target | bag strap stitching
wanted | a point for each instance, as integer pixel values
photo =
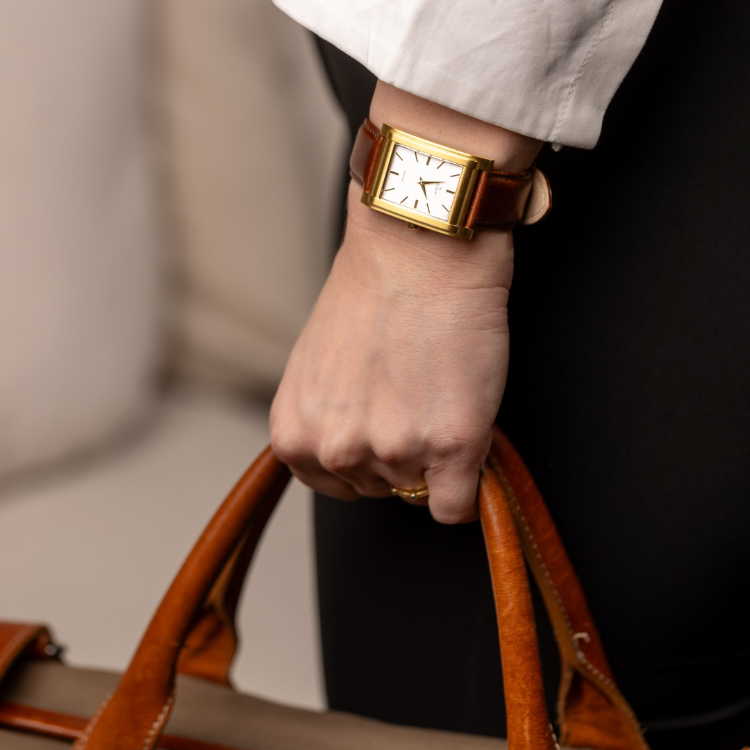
(615, 691)
(157, 725)
(81, 744)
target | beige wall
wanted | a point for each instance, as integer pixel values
(253, 150)
(79, 240)
(192, 136)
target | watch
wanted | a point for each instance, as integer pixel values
(439, 188)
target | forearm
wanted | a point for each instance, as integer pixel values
(398, 375)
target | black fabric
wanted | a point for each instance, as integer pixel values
(628, 396)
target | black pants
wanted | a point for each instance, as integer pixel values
(629, 398)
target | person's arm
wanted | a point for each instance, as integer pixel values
(548, 70)
(399, 372)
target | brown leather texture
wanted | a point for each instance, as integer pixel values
(501, 199)
(133, 718)
(526, 709)
(591, 710)
(212, 643)
(199, 608)
(365, 154)
(22, 639)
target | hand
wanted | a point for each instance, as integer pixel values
(399, 372)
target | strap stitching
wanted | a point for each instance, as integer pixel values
(370, 128)
(83, 741)
(157, 725)
(580, 70)
(623, 704)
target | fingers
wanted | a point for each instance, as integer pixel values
(453, 493)
(327, 484)
(341, 467)
(345, 465)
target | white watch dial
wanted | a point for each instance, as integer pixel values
(421, 182)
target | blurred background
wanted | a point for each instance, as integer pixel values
(169, 172)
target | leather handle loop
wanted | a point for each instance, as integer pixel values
(591, 710)
(208, 585)
(526, 708)
(211, 645)
(133, 718)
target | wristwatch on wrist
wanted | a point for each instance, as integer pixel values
(435, 187)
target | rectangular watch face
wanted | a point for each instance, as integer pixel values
(421, 182)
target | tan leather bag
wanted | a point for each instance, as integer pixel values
(176, 692)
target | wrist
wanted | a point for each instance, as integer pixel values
(422, 260)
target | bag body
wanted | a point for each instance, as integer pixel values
(176, 693)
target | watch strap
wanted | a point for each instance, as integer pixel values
(365, 154)
(501, 199)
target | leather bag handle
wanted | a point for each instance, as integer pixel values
(591, 711)
(134, 717)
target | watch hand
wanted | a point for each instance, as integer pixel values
(431, 182)
(422, 184)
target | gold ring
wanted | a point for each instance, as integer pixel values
(409, 493)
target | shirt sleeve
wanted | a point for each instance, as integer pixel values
(547, 69)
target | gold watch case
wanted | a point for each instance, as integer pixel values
(471, 166)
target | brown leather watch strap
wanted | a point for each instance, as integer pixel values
(501, 199)
(365, 153)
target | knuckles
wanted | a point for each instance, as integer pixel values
(289, 447)
(398, 448)
(342, 453)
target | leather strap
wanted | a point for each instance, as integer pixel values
(133, 718)
(592, 712)
(365, 154)
(501, 199)
(526, 709)
(21, 639)
(212, 643)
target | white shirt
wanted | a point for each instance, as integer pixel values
(544, 68)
